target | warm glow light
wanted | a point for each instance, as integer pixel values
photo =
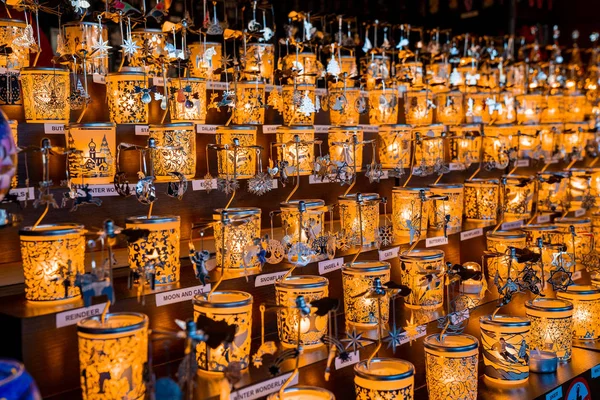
(97, 160)
(551, 326)
(499, 242)
(46, 94)
(357, 278)
(306, 150)
(349, 218)
(125, 104)
(384, 378)
(182, 158)
(423, 271)
(241, 161)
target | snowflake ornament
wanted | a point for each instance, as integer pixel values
(130, 47)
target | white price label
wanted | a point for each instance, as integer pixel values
(542, 219)
(99, 78)
(212, 85)
(353, 358)
(107, 190)
(556, 394)
(200, 184)
(330, 265)
(263, 389)
(522, 163)
(576, 275)
(158, 81)
(268, 279)
(314, 179)
(512, 225)
(23, 194)
(142, 130)
(202, 128)
(269, 129)
(72, 317)
(321, 128)
(54, 129)
(580, 212)
(179, 295)
(473, 233)
(388, 253)
(436, 241)
(454, 166)
(369, 128)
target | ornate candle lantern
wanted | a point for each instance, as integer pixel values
(235, 308)
(382, 378)
(529, 108)
(549, 140)
(409, 210)
(517, 197)
(594, 182)
(586, 310)
(481, 199)
(343, 106)
(581, 194)
(550, 234)
(176, 150)
(418, 107)
(52, 257)
(575, 106)
(551, 326)
(259, 61)
(78, 36)
(161, 248)
(46, 94)
(342, 148)
(369, 214)
(357, 278)
(152, 44)
(304, 393)
(394, 146)
(374, 67)
(348, 66)
(504, 344)
(451, 366)
(465, 144)
(415, 265)
(529, 142)
(249, 103)
(574, 139)
(113, 356)
(383, 106)
(205, 59)
(298, 104)
(187, 100)
(125, 105)
(312, 220)
(313, 327)
(554, 110)
(449, 107)
(438, 74)
(500, 108)
(452, 207)
(552, 191)
(11, 29)
(96, 162)
(496, 142)
(428, 149)
(411, 71)
(578, 239)
(307, 63)
(242, 159)
(306, 148)
(231, 239)
(500, 242)
(475, 107)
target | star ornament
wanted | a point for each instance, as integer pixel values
(354, 340)
(394, 338)
(100, 47)
(560, 280)
(130, 47)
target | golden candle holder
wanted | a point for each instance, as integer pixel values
(187, 100)
(577, 235)
(418, 107)
(549, 140)
(113, 356)
(235, 308)
(575, 106)
(574, 139)
(465, 144)
(517, 197)
(161, 247)
(375, 67)
(554, 111)
(383, 378)
(233, 235)
(449, 107)
(438, 74)
(475, 107)
(581, 194)
(152, 44)
(308, 64)
(360, 218)
(451, 366)
(411, 72)
(529, 143)
(428, 149)
(357, 278)
(394, 147)
(550, 234)
(529, 108)
(11, 29)
(46, 94)
(241, 159)
(313, 327)
(205, 58)
(342, 148)
(343, 110)
(415, 265)
(125, 105)
(298, 104)
(175, 152)
(586, 310)
(299, 392)
(500, 108)
(504, 347)
(481, 199)
(452, 207)
(410, 211)
(98, 145)
(383, 106)
(306, 147)
(249, 103)
(302, 226)
(52, 257)
(553, 191)
(551, 326)
(496, 142)
(259, 61)
(501, 242)
(81, 36)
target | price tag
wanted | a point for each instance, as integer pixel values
(512, 225)
(330, 265)
(54, 129)
(321, 128)
(211, 129)
(436, 241)
(72, 317)
(555, 394)
(580, 212)
(353, 358)
(23, 194)
(313, 179)
(99, 78)
(212, 85)
(369, 128)
(180, 295)
(158, 81)
(262, 389)
(268, 279)
(576, 275)
(200, 184)
(269, 129)
(385, 174)
(107, 190)
(388, 253)
(542, 219)
(522, 163)
(454, 166)
(473, 233)
(142, 130)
